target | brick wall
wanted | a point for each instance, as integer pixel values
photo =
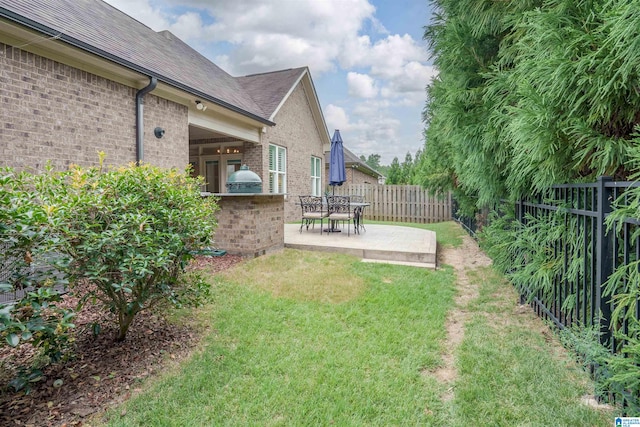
(253, 157)
(250, 225)
(296, 130)
(172, 150)
(355, 176)
(51, 111)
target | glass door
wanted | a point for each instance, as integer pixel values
(212, 175)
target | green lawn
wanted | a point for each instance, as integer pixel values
(513, 370)
(309, 338)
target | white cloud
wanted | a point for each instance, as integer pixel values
(336, 38)
(327, 20)
(289, 33)
(380, 137)
(187, 26)
(410, 88)
(385, 57)
(361, 85)
(415, 77)
(371, 129)
(389, 56)
(371, 108)
(285, 33)
(143, 12)
(336, 117)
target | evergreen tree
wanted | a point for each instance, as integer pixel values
(395, 173)
(407, 170)
(417, 161)
(373, 161)
(529, 94)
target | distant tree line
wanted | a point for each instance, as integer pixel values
(397, 173)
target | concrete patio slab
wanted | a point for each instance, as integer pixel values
(379, 243)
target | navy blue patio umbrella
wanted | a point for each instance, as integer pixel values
(337, 171)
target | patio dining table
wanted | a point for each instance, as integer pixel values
(358, 210)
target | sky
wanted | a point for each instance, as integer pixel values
(367, 59)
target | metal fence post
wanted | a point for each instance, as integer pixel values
(519, 213)
(604, 254)
(519, 210)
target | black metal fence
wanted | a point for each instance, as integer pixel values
(468, 223)
(588, 251)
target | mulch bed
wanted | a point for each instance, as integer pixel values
(103, 372)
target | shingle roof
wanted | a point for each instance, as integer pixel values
(105, 30)
(351, 159)
(270, 89)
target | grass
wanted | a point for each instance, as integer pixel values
(327, 340)
(512, 369)
(311, 338)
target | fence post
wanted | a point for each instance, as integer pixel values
(519, 210)
(604, 267)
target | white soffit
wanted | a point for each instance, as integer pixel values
(224, 125)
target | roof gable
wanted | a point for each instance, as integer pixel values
(270, 90)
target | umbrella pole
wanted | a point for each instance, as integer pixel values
(332, 224)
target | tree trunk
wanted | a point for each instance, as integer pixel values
(124, 321)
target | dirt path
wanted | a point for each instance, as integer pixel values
(464, 258)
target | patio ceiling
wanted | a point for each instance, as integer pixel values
(200, 133)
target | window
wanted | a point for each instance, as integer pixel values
(233, 165)
(277, 169)
(316, 174)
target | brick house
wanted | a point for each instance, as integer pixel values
(358, 172)
(79, 76)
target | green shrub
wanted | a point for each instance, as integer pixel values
(30, 266)
(129, 232)
(617, 375)
(525, 253)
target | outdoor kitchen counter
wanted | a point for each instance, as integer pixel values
(249, 224)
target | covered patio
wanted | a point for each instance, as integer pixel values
(379, 243)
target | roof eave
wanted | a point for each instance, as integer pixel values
(364, 168)
(43, 29)
(316, 104)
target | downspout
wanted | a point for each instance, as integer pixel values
(140, 118)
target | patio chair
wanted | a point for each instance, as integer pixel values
(357, 212)
(340, 210)
(312, 210)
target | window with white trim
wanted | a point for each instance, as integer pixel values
(277, 169)
(316, 176)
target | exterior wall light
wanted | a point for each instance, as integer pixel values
(200, 106)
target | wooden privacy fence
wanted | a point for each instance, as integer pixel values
(401, 203)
